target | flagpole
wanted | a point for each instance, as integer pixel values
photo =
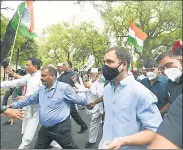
(15, 38)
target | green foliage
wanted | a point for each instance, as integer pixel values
(64, 41)
(161, 20)
(4, 23)
(28, 48)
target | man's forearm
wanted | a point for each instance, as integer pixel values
(17, 76)
(142, 138)
(165, 108)
(160, 142)
(32, 99)
(98, 100)
(19, 104)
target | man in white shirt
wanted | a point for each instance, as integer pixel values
(96, 91)
(93, 90)
(33, 82)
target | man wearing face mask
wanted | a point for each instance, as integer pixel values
(156, 84)
(131, 114)
(169, 133)
(173, 70)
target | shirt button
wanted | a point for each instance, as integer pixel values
(114, 102)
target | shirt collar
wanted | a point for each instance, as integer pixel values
(53, 86)
(68, 71)
(33, 74)
(125, 81)
(159, 79)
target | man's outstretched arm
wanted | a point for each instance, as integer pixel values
(32, 99)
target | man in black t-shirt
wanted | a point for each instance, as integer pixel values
(169, 133)
(173, 69)
(66, 77)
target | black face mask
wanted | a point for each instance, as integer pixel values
(110, 73)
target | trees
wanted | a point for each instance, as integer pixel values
(65, 41)
(91, 42)
(161, 20)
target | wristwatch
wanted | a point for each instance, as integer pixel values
(3, 108)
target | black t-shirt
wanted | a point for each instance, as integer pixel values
(174, 89)
(106, 82)
(159, 88)
(66, 77)
(171, 127)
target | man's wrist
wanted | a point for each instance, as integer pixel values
(3, 108)
(125, 141)
(13, 74)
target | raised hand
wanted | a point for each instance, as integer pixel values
(15, 113)
(9, 70)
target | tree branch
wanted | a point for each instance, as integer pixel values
(136, 51)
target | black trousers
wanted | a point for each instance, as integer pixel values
(61, 133)
(7, 95)
(77, 118)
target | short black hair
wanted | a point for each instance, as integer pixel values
(69, 63)
(99, 69)
(35, 62)
(51, 70)
(123, 54)
(163, 55)
(150, 63)
(89, 70)
(75, 69)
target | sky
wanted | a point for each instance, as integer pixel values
(47, 13)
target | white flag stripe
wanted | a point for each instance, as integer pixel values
(139, 41)
(132, 34)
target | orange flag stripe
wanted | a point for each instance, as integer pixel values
(138, 32)
(30, 6)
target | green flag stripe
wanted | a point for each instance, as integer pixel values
(22, 28)
(133, 42)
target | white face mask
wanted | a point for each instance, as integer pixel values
(151, 75)
(173, 73)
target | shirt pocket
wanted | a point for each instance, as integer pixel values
(53, 103)
(125, 113)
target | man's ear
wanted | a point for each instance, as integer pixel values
(36, 67)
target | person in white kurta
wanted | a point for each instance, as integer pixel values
(33, 82)
(94, 90)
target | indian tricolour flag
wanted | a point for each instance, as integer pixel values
(136, 36)
(25, 15)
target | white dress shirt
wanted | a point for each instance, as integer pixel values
(93, 93)
(33, 82)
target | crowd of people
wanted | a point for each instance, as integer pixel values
(137, 109)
